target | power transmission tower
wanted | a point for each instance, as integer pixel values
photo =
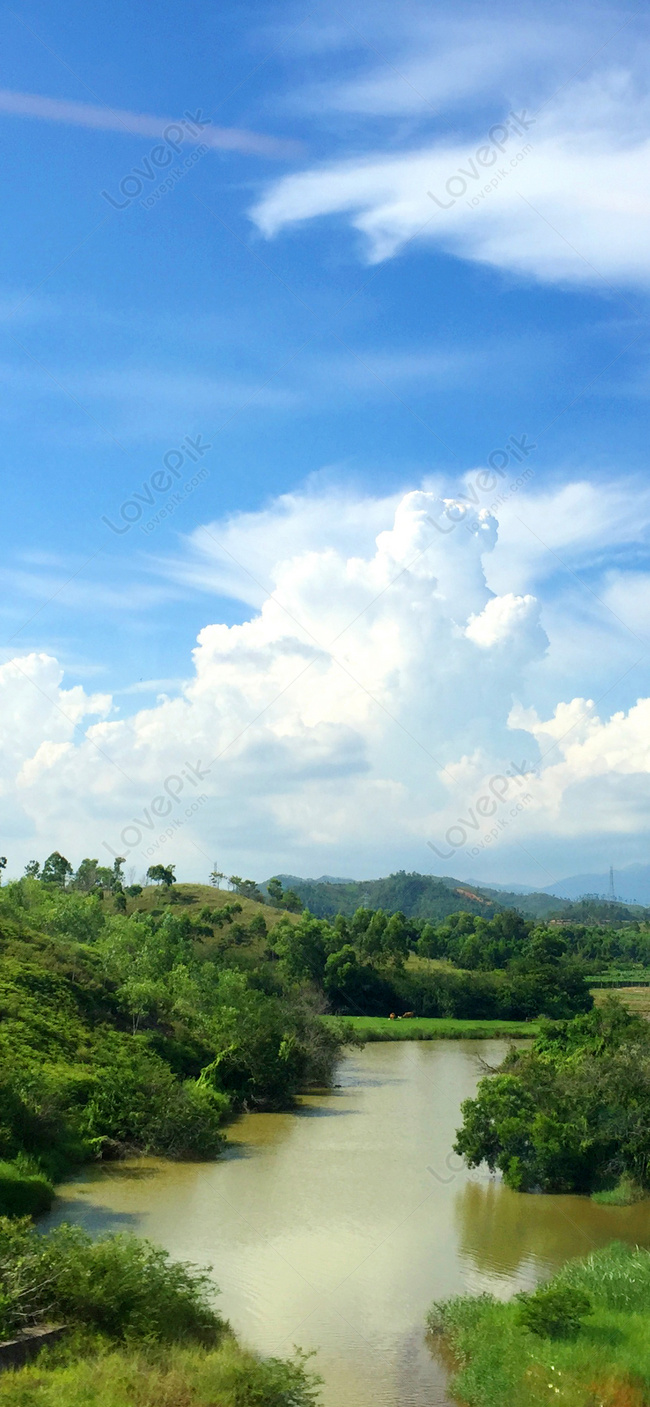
(611, 894)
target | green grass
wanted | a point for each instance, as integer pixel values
(624, 1194)
(226, 1376)
(499, 1363)
(431, 1028)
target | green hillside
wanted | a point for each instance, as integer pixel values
(415, 895)
(429, 897)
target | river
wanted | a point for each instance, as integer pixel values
(334, 1227)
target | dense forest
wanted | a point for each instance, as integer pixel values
(427, 897)
(374, 963)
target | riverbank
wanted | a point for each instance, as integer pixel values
(334, 1225)
(137, 1329)
(429, 1028)
(599, 1357)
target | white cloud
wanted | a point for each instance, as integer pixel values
(360, 711)
(564, 199)
(104, 119)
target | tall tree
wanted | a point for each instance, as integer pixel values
(56, 869)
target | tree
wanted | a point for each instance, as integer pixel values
(3, 865)
(162, 874)
(56, 869)
(133, 890)
(32, 869)
(292, 901)
(303, 948)
(86, 876)
(274, 890)
(570, 1114)
(215, 877)
(395, 940)
(118, 877)
(247, 888)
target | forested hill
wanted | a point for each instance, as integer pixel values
(429, 897)
(415, 895)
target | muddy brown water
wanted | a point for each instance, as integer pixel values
(334, 1227)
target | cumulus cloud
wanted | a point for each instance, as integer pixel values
(362, 710)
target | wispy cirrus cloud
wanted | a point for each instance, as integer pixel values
(108, 119)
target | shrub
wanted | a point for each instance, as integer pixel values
(119, 1286)
(555, 1312)
(23, 1193)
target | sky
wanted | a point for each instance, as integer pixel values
(324, 389)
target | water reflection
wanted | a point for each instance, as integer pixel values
(505, 1234)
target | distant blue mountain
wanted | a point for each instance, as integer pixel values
(631, 885)
(508, 888)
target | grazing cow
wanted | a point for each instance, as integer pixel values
(406, 1015)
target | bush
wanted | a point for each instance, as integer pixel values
(137, 1102)
(119, 1286)
(555, 1312)
(23, 1193)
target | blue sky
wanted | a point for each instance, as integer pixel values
(298, 302)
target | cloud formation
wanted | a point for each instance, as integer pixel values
(561, 195)
(375, 692)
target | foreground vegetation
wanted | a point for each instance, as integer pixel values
(569, 1114)
(583, 1340)
(142, 1330)
(224, 1376)
(427, 1028)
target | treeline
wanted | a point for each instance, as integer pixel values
(360, 965)
(472, 941)
(570, 1114)
(139, 1031)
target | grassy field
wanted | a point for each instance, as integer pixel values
(501, 1363)
(191, 898)
(431, 1028)
(636, 999)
